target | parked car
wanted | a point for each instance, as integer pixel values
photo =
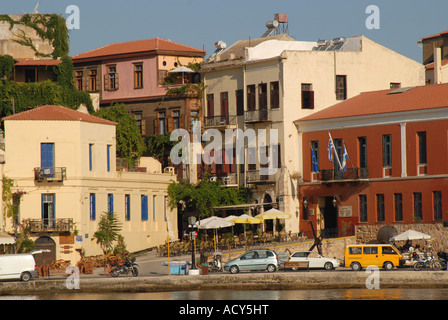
(17, 266)
(315, 260)
(254, 260)
(384, 256)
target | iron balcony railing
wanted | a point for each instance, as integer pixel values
(50, 174)
(339, 175)
(254, 116)
(217, 121)
(51, 225)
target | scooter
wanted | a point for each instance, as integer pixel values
(128, 266)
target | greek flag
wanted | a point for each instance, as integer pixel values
(344, 159)
(330, 148)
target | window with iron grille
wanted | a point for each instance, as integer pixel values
(398, 202)
(362, 208)
(380, 207)
(341, 87)
(437, 198)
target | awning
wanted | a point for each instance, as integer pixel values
(244, 206)
(6, 238)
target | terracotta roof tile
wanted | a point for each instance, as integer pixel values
(37, 62)
(56, 113)
(378, 102)
(440, 34)
(155, 44)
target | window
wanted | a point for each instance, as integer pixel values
(437, 198)
(138, 76)
(263, 96)
(47, 158)
(380, 208)
(370, 250)
(251, 97)
(305, 212)
(275, 95)
(418, 213)
(210, 105)
(92, 207)
(252, 158)
(315, 148)
(307, 96)
(127, 207)
(387, 150)
(90, 156)
(162, 122)
(108, 147)
(48, 209)
(92, 80)
(138, 116)
(176, 119)
(78, 80)
(398, 203)
(362, 145)
(338, 149)
(239, 102)
(395, 85)
(363, 208)
(421, 147)
(354, 250)
(225, 107)
(194, 117)
(144, 202)
(276, 154)
(111, 78)
(388, 250)
(341, 87)
(110, 202)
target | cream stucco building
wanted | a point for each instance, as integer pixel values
(267, 83)
(65, 163)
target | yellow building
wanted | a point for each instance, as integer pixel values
(64, 163)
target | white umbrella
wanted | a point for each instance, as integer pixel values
(410, 235)
(214, 223)
(182, 70)
(6, 238)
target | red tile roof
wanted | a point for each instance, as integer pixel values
(56, 113)
(443, 33)
(380, 102)
(37, 62)
(430, 66)
(139, 46)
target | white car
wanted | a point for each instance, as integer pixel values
(315, 260)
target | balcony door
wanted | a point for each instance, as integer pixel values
(48, 209)
(47, 159)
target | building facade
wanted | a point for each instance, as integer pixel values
(67, 181)
(268, 83)
(396, 171)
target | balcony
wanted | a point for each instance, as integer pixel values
(42, 174)
(259, 177)
(228, 180)
(257, 116)
(220, 121)
(351, 174)
(51, 225)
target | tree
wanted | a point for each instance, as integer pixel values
(205, 195)
(130, 143)
(159, 147)
(108, 232)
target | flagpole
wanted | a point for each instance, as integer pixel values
(335, 152)
(349, 157)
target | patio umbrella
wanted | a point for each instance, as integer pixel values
(410, 235)
(214, 223)
(182, 70)
(245, 219)
(273, 214)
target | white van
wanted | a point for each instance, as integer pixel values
(17, 266)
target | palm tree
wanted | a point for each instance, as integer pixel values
(108, 231)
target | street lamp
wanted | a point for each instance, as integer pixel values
(191, 222)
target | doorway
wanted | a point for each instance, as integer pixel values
(330, 215)
(45, 258)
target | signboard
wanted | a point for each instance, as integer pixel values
(345, 211)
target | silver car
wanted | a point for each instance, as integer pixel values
(254, 260)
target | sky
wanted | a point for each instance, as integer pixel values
(200, 23)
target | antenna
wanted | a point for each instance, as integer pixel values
(35, 9)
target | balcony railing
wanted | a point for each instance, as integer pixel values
(49, 174)
(351, 174)
(218, 121)
(260, 177)
(51, 225)
(254, 116)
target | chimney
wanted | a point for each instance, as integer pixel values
(437, 63)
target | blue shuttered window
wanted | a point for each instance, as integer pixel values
(144, 208)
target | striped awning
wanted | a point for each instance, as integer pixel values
(6, 238)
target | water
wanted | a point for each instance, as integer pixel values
(337, 294)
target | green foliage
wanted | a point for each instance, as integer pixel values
(204, 196)
(64, 72)
(6, 66)
(108, 231)
(159, 147)
(24, 244)
(130, 144)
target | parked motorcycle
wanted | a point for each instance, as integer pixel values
(128, 266)
(443, 258)
(427, 263)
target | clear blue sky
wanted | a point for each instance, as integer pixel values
(200, 23)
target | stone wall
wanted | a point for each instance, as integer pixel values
(438, 233)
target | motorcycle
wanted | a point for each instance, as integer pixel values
(128, 266)
(443, 258)
(427, 263)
